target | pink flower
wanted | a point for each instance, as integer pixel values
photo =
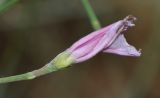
(109, 39)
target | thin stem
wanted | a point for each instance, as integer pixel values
(7, 4)
(48, 68)
(93, 18)
(61, 61)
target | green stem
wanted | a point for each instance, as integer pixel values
(7, 4)
(30, 75)
(94, 21)
(59, 62)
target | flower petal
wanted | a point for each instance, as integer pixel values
(87, 39)
(121, 47)
(95, 42)
(108, 39)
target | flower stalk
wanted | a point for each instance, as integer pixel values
(61, 61)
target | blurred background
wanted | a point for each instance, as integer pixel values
(33, 32)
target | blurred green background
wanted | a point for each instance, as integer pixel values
(32, 32)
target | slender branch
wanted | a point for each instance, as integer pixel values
(7, 4)
(93, 18)
(30, 75)
(59, 62)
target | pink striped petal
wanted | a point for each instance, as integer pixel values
(121, 47)
(108, 39)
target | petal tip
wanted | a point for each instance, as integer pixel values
(129, 20)
(138, 53)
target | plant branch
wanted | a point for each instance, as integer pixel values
(59, 62)
(93, 18)
(30, 75)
